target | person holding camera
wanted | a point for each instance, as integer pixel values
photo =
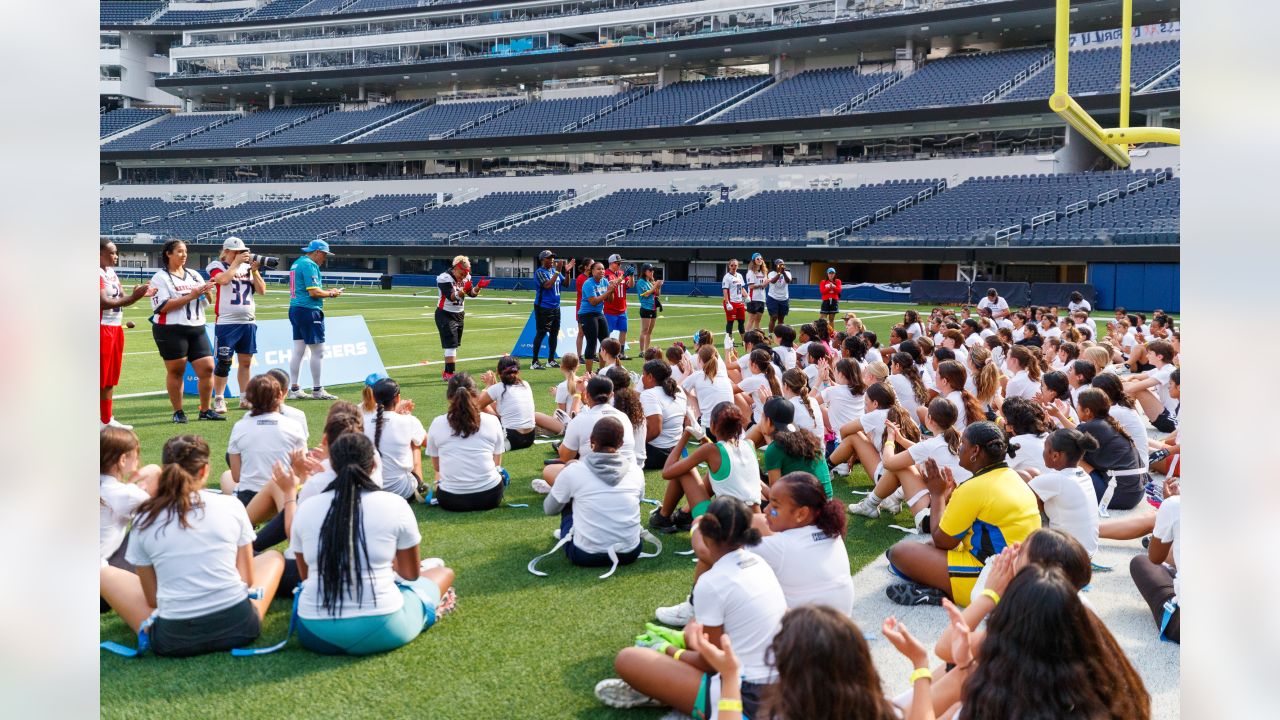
(735, 301)
(455, 287)
(778, 296)
(615, 306)
(648, 288)
(546, 306)
(306, 315)
(177, 317)
(236, 271)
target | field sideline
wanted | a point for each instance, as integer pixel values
(518, 645)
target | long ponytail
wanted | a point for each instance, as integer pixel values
(908, 370)
(341, 552)
(953, 372)
(463, 414)
(987, 378)
(177, 490)
(763, 359)
(1097, 403)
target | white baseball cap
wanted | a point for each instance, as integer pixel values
(234, 243)
(615, 258)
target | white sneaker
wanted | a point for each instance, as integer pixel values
(562, 416)
(298, 395)
(865, 508)
(430, 564)
(113, 422)
(540, 486)
(556, 533)
(675, 615)
(220, 404)
(322, 395)
(842, 470)
(615, 692)
(893, 503)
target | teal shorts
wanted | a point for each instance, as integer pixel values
(371, 634)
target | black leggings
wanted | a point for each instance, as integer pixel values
(547, 322)
(1155, 584)
(595, 329)
(469, 502)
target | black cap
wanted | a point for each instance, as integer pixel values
(545, 254)
(646, 267)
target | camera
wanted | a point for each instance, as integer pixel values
(266, 261)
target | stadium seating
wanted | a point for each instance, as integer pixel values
(167, 129)
(955, 80)
(197, 17)
(127, 215)
(675, 104)
(1097, 70)
(277, 9)
(248, 127)
(535, 118)
(366, 5)
(121, 119)
(125, 13)
(589, 223)
(435, 119)
(433, 227)
(1172, 81)
(814, 92)
(192, 225)
(1142, 216)
(311, 225)
(318, 7)
(335, 126)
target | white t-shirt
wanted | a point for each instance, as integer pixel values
(299, 417)
(1162, 375)
(515, 405)
(1135, 424)
(788, 356)
(811, 372)
(119, 501)
(936, 447)
(998, 304)
(813, 423)
(973, 339)
(710, 393)
(655, 401)
(750, 385)
(1070, 503)
(914, 330)
(577, 436)
(1021, 385)
(262, 441)
(906, 396)
(169, 287)
(389, 525)
(843, 406)
(737, 289)
(744, 365)
(233, 304)
(109, 285)
(1168, 530)
(1053, 332)
(195, 566)
(563, 396)
(754, 278)
(873, 424)
(399, 434)
(319, 482)
(466, 463)
(1084, 305)
(957, 399)
(780, 290)
(811, 568)
(741, 594)
(1030, 452)
(604, 516)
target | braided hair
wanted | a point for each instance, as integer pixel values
(385, 392)
(798, 383)
(342, 555)
(990, 441)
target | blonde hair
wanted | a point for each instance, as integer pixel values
(878, 370)
(1098, 355)
(707, 357)
(461, 260)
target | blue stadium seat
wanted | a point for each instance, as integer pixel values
(122, 119)
(168, 129)
(335, 125)
(955, 80)
(814, 92)
(675, 104)
(435, 119)
(1097, 70)
(114, 12)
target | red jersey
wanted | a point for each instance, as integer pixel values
(581, 279)
(830, 289)
(616, 304)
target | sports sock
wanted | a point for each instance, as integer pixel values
(104, 410)
(317, 358)
(449, 366)
(728, 327)
(873, 498)
(295, 362)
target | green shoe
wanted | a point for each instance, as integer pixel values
(674, 637)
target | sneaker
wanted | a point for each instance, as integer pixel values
(616, 693)
(682, 519)
(1146, 542)
(113, 422)
(911, 593)
(865, 508)
(658, 523)
(245, 404)
(553, 364)
(320, 394)
(180, 417)
(298, 394)
(893, 503)
(923, 525)
(448, 603)
(540, 486)
(210, 415)
(841, 470)
(537, 366)
(675, 615)
(220, 404)
(624, 356)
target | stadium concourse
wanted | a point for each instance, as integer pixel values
(966, 389)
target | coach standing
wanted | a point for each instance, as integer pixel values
(778, 296)
(235, 331)
(306, 315)
(455, 287)
(615, 306)
(735, 301)
(546, 307)
(111, 302)
(829, 289)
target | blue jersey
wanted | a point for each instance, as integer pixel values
(642, 287)
(547, 297)
(591, 289)
(304, 274)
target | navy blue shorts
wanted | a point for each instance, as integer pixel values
(616, 322)
(308, 324)
(239, 339)
(777, 308)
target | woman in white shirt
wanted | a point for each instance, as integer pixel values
(709, 386)
(351, 542)
(803, 541)
(122, 487)
(984, 381)
(177, 326)
(194, 558)
(260, 439)
(795, 388)
(1027, 426)
(1064, 490)
(471, 442)
(760, 385)
(513, 398)
(911, 323)
(864, 439)
(844, 398)
(907, 383)
(627, 401)
(398, 437)
(1024, 373)
(951, 379)
(664, 406)
(739, 596)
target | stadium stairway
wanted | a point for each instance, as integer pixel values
(602, 219)
(120, 132)
(438, 121)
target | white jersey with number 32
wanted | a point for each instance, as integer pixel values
(234, 305)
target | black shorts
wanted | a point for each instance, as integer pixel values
(521, 440)
(450, 326)
(648, 314)
(829, 307)
(470, 502)
(178, 342)
(755, 307)
(655, 458)
(1165, 422)
(219, 631)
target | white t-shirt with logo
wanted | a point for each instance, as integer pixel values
(261, 441)
(741, 594)
(195, 566)
(466, 463)
(389, 525)
(109, 285)
(515, 405)
(234, 302)
(811, 567)
(170, 287)
(780, 290)
(753, 279)
(737, 289)
(655, 401)
(400, 433)
(118, 502)
(843, 406)
(999, 304)
(577, 436)
(1070, 503)
(1084, 305)
(936, 447)
(604, 516)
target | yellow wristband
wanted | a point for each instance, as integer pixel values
(921, 673)
(676, 656)
(730, 706)
(995, 596)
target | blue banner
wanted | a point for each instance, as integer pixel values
(565, 341)
(349, 353)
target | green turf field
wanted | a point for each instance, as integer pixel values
(518, 646)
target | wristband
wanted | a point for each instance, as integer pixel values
(677, 654)
(995, 596)
(729, 705)
(921, 673)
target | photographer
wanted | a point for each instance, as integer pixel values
(306, 315)
(648, 289)
(778, 300)
(735, 301)
(234, 330)
(455, 287)
(546, 305)
(615, 306)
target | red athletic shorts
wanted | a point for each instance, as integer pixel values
(111, 354)
(735, 311)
